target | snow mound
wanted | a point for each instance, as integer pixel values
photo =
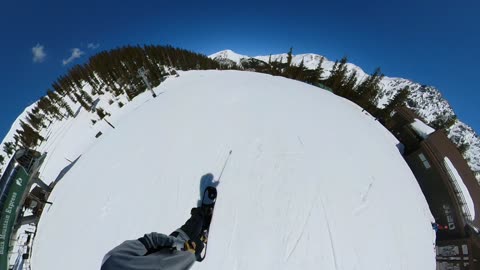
(312, 183)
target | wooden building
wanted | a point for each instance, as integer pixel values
(449, 186)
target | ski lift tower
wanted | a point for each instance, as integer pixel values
(142, 73)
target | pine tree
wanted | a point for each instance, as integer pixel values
(2, 160)
(53, 96)
(9, 148)
(289, 57)
(463, 147)
(86, 97)
(348, 89)
(450, 121)
(443, 122)
(82, 102)
(35, 121)
(28, 136)
(338, 76)
(46, 105)
(56, 87)
(68, 109)
(335, 67)
(70, 95)
(320, 69)
(101, 113)
(367, 91)
(397, 101)
(298, 73)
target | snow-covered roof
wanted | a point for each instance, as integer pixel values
(458, 181)
(421, 128)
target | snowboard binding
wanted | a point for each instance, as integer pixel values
(208, 203)
(209, 197)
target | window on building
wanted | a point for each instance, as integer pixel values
(424, 161)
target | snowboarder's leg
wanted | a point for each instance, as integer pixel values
(194, 227)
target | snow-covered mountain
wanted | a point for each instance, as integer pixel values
(285, 199)
(427, 101)
(228, 57)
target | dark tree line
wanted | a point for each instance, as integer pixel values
(343, 82)
(114, 71)
(278, 68)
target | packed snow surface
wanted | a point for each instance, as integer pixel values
(455, 176)
(421, 128)
(312, 182)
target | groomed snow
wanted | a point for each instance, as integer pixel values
(455, 176)
(421, 128)
(312, 183)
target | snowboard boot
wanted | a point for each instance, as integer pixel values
(209, 197)
(208, 202)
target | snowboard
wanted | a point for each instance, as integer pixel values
(208, 203)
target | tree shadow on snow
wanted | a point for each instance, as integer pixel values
(77, 112)
(207, 180)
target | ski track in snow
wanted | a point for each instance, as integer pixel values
(364, 195)
(302, 231)
(300, 140)
(364, 198)
(330, 236)
(232, 235)
(106, 207)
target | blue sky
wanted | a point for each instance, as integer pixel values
(430, 42)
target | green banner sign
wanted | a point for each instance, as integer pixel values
(9, 213)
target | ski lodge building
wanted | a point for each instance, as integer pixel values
(449, 186)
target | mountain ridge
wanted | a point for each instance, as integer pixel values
(426, 101)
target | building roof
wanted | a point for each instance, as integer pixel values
(422, 129)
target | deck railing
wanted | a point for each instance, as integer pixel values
(458, 193)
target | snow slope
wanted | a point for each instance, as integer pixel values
(312, 183)
(426, 101)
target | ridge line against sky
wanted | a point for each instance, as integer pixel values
(428, 42)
